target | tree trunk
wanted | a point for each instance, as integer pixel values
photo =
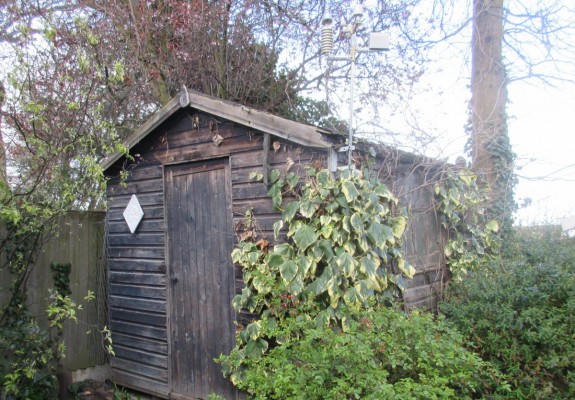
(492, 159)
(3, 176)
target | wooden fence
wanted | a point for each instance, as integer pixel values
(79, 241)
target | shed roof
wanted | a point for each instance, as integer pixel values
(303, 134)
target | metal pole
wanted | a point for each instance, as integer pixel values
(352, 86)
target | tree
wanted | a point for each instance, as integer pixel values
(492, 159)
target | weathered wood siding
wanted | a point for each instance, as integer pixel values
(139, 292)
(137, 262)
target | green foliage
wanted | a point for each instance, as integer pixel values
(31, 352)
(472, 240)
(342, 250)
(501, 203)
(343, 246)
(521, 315)
(27, 362)
(385, 354)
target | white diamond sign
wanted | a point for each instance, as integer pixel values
(133, 213)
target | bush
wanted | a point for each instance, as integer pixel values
(386, 354)
(521, 315)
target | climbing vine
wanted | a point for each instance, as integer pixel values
(340, 253)
(472, 240)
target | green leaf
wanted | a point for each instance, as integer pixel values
(274, 175)
(304, 237)
(284, 249)
(278, 225)
(327, 249)
(352, 297)
(290, 211)
(350, 191)
(322, 319)
(333, 291)
(347, 264)
(256, 348)
(307, 209)
(492, 225)
(288, 271)
(367, 266)
(253, 330)
(275, 194)
(262, 283)
(398, 225)
(326, 231)
(357, 223)
(407, 269)
(275, 260)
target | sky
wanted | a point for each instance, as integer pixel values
(540, 128)
(541, 131)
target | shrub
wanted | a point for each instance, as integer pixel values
(386, 354)
(521, 315)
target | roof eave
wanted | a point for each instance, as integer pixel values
(302, 134)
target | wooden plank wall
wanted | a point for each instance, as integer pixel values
(78, 240)
(137, 269)
(136, 262)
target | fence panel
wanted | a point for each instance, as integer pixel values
(78, 240)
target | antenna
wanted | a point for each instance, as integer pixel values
(377, 41)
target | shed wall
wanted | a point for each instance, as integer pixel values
(136, 262)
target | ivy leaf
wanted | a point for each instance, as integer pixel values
(383, 191)
(356, 223)
(292, 180)
(275, 193)
(322, 319)
(398, 225)
(261, 284)
(304, 237)
(407, 269)
(327, 249)
(307, 209)
(367, 266)
(283, 249)
(278, 225)
(275, 260)
(254, 330)
(352, 297)
(256, 348)
(318, 286)
(333, 291)
(288, 271)
(290, 211)
(304, 264)
(350, 191)
(492, 225)
(347, 264)
(274, 175)
(326, 231)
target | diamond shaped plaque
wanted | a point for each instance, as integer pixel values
(133, 213)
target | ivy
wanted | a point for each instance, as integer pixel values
(337, 248)
(472, 240)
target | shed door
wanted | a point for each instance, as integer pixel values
(200, 276)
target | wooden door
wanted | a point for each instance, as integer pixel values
(200, 276)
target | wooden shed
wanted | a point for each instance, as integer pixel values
(174, 206)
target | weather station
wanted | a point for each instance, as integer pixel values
(378, 41)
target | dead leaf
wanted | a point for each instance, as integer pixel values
(289, 164)
(276, 146)
(262, 244)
